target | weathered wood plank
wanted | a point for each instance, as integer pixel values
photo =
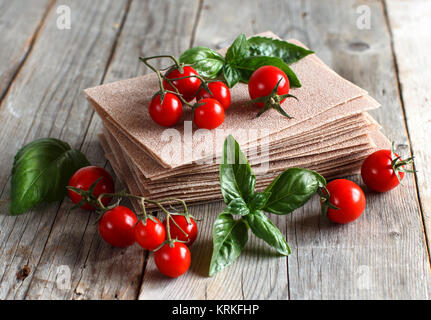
(259, 273)
(383, 254)
(410, 25)
(46, 100)
(19, 23)
(100, 271)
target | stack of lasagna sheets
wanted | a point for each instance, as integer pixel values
(330, 132)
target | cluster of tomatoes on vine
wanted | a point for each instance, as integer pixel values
(179, 86)
(92, 188)
(268, 86)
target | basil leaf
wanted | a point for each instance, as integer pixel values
(248, 65)
(292, 189)
(238, 50)
(231, 75)
(237, 180)
(41, 171)
(259, 200)
(263, 228)
(207, 62)
(229, 238)
(237, 206)
(288, 52)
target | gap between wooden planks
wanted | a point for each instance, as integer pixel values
(383, 255)
(100, 271)
(46, 97)
(95, 276)
(407, 19)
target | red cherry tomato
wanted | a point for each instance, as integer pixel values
(219, 91)
(151, 234)
(188, 87)
(209, 115)
(191, 229)
(348, 197)
(84, 178)
(264, 80)
(117, 226)
(377, 172)
(173, 261)
(167, 113)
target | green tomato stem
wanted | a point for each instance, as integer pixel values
(144, 212)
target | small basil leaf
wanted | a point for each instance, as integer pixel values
(292, 189)
(207, 62)
(231, 75)
(263, 228)
(248, 65)
(41, 171)
(258, 200)
(238, 50)
(229, 238)
(288, 52)
(237, 206)
(237, 179)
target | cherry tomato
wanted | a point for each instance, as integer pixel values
(377, 172)
(188, 87)
(264, 80)
(151, 234)
(191, 229)
(348, 197)
(167, 113)
(219, 91)
(117, 226)
(173, 261)
(84, 178)
(209, 115)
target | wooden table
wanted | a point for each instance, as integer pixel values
(44, 67)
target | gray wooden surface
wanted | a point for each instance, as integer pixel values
(44, 69)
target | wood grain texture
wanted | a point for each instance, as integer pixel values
(410, 25)
(46, 100)
(382, 255)
(100, 271)
(259, 273)
(19, 24)
(361, 260)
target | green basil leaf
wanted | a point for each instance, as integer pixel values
(288, 52)
(259, 200)
(229, 238)
(248, 65)
(231, 75)
(207, 62)
(41, 171)
(237, 206)
(263, 228)
(238, 50)
(237, 179)
(292, 189)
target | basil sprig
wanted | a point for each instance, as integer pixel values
(41, 171)
(243, 57)
(245, 208)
